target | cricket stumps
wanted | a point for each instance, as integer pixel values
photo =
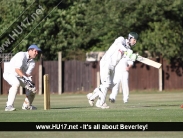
(46, 92)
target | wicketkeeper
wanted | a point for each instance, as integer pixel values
(18, 74)
(116, 51)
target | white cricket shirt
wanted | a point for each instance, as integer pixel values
(123, 64)
(114, 53)
(21, 61)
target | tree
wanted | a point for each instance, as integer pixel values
(75, 27)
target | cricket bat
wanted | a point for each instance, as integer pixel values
(148, 62)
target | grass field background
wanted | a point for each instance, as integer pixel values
(149, 106)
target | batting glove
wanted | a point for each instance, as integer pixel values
(133, 57)
(128, 53)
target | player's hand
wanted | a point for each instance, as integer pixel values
(25, 78)
(133, 57)
(30, 78)
(128, 53)
(127, 68)
(28, 82)
(30, 85)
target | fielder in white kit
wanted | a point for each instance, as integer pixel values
(114, 54)
(121, 75)
(19, 73)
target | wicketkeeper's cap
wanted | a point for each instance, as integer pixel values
(34, 47)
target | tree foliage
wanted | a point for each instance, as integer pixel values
(75, 27)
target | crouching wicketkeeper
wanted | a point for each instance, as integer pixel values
(18, 74)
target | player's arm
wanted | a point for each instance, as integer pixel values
(18, 64)
(25, 77)
(120, 52)
(30, 68)
(20, 73)
(26, 80)
(133, 57)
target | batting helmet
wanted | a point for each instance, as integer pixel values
(133, 35)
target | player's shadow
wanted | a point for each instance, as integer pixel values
(161, 105)
(70, 107)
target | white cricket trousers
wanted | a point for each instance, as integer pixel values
(123, 78)
(15, 83)
(106, 78)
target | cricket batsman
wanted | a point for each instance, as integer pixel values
(19, 73)
(120, 48)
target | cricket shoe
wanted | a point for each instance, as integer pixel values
(9, 108)
(111, 100)
(104, 106)
(27, 107)
(125, 101)
(91, 102)
(97, 104)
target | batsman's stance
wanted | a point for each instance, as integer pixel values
(19, 73)
(121, 47)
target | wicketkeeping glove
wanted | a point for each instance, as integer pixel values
(29, 84)
(30, 78)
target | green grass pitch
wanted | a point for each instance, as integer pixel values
(149, 106)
